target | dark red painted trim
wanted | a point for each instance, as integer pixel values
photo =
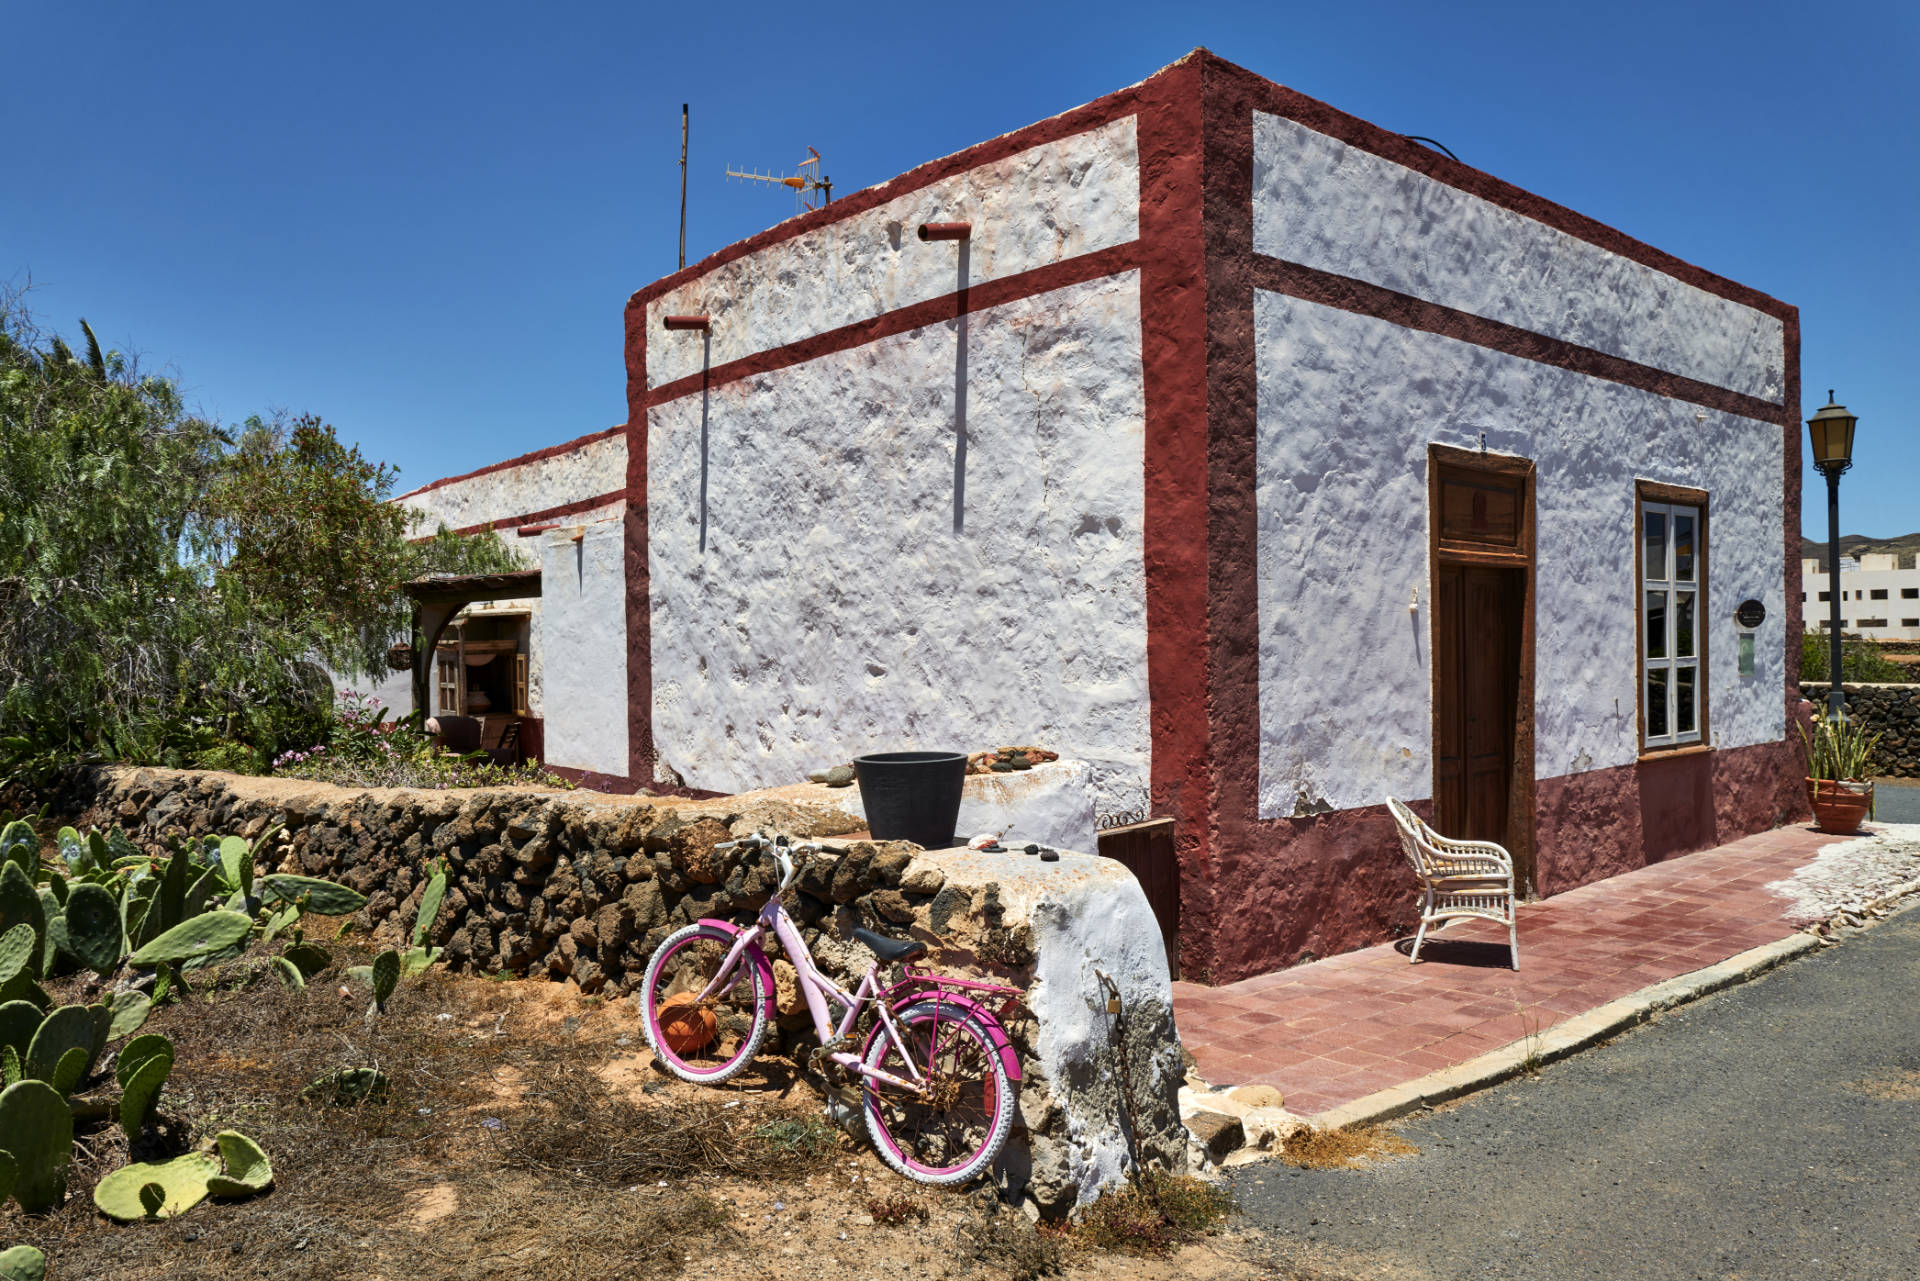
(1409, 312)
(639, 604)
(1173, 327)
(988, 293)
(545, 514)
(946, 231)
(686, 322)
(1260, 94)
(551, 451)
(1101, 111)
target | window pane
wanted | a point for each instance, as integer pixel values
(1683, 624)
(1683, 523)
(1684, 695)
(1657, 703)
(1656, 626)
(1653, 556)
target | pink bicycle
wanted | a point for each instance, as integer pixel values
(937, 1069)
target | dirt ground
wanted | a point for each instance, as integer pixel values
(526, 1134)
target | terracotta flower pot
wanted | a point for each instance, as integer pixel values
(1839, 805)
(686, 1028)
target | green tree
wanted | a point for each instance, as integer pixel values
(166, 584)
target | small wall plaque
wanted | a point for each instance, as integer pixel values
(1750, 613)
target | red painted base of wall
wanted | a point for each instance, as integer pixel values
(1293, 890)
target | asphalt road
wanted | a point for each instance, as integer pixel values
(1765, 1132)
(1896, 802)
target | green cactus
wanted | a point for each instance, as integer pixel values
(146, 1046)
(17, 947)
(308, 958)
(417, 960)
(9, 1171)
(236, 864)
(21, 987)
(280, 920)
(39, 1130)
(129, 1010)
(201, 936)
(287, 972)
(347, 1087)
(140, 1091)
(386, 977)
(248, 1170)
(170, 898)
(430, 903)
(53, 933)
(202, 892)
(10, 1069)
(309, 894)
(73, 849)
(102, 1032)
(93, 928)
(20, 846)
(182, 1182)
(70, 1071)
(20, 905)
(22, 1263)
(56, 885)
(69, 1027)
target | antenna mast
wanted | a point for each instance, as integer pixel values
(683, 184)
(811, 188)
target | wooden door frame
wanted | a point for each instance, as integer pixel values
(1520, 785)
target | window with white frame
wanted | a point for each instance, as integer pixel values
(1672, 597)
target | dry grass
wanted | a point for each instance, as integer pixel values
(1154, 1215)
(897, 1210)
(1349, 1149)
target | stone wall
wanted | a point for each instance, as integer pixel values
(583, 886)
(1892, 711)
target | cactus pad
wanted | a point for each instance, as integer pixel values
(93, 928)
(20, 905)
(288, 973)
(141, 1091)
(39, 1130)
(248, 1170)
(19, 845)
(23, 1263)
(417, 960)
(309, 894)
(70, 1071)
(386, 976)
(138, 1051)
(182, 1182)
(308, 958)
(16, 950)
(9, 1171)
(69, 1027)
(429, 905)
(129, 1010)
(199, 936)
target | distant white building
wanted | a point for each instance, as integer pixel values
(1878, 599)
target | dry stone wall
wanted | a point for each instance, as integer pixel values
(1892, 711)
(583, 886)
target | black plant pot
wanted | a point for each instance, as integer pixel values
(912, 796)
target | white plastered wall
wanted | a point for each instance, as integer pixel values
(1347, 407)
(580, 636)
(1324, 204)
(834, 610)
(596, 468)
(1040, 206)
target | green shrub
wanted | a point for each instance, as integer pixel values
(1861, 662)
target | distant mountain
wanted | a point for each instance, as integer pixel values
(1907, 546)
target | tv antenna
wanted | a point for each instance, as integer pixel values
(811, 188)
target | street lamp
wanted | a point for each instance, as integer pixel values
(1831, 430)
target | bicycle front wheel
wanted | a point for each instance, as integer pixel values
(952, 1130)
(704, 1041)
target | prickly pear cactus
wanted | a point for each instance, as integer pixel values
(10, 1069)
(248, 1170)
(19, 845)
(236, 864)
(17, 947)
(23, 1263)
(9, 1171)
(73, 851)
(386, 976)
(309, 894)
(19, 1020)
(69, 1027)
(93, 928)
(39, 1130)
(69, 1072)
(182, 1183)
(129, 1010)
(20, 905)
(288, 973)
(141, 1070)
(308, 958)
(199, 936)
(429, 904)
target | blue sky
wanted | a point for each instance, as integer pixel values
(421, 222)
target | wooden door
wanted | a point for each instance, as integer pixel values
(1146, 850)
(1477, 635)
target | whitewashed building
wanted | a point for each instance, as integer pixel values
(1879, 596)
(1266, 460)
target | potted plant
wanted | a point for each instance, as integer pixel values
(1838, 753)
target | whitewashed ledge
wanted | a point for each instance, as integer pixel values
(1050, 804)
(1101, 1090)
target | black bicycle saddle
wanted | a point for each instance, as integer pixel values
(888, 950)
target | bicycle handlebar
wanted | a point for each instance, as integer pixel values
(783, 851)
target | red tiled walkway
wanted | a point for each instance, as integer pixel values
(1337, 1030)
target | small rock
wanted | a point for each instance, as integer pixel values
(839, 776)
(818, 776)
(1216, 1133)
(1257, 1096)
(1272, 1127)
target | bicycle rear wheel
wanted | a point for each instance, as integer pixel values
(955, 1128)
(702, 1041)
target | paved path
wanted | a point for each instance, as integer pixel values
(1764, 1132)
(1334, 1031)
(1897, 800)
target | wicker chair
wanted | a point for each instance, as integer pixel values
(1459, 878)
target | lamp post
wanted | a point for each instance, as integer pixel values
(1831, 430)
